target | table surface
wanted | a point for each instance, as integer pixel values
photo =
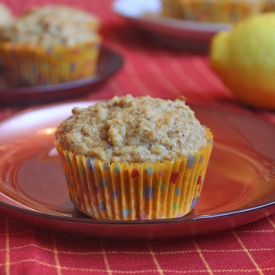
(157, 70)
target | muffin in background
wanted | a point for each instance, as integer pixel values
(171, 9)
(6, 17)
(50, 45)
(57, 15)
(134, 158)
(223, 11)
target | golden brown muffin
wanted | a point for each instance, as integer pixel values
(134, 158)
(43, 47)
(223, 11)
(171, 9)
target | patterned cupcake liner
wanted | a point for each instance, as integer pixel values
(38, 65)
(122, 191)
(225, 11)
(171, 9)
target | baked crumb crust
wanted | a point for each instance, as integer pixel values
(51, 25)
(133, 130)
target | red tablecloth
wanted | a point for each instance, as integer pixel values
(149, 68)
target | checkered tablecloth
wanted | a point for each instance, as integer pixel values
(149, 68)
(245, 250)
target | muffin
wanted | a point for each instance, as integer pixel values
(134, 158)
(223, 11)
(171, 9)
(43, 47)
(6, 17)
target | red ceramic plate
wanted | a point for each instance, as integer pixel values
(108, 64)
(239, 186)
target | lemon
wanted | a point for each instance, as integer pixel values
(244, 59)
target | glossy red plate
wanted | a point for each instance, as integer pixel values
(108, 64)
(239, 186)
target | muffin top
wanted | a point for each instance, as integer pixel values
(51, 25)
(133, 130)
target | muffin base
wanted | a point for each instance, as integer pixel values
(225, 11)
(38, 65)
(122, 191)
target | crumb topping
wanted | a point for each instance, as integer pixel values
(133, 130)
(53, 24)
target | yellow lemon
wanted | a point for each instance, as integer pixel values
(244, 58)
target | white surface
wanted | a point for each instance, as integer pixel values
(132, 8)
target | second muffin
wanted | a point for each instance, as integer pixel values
(221, 11)
(134, 158)
(49, 45)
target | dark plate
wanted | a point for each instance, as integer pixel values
(109, 63)
(239, 185)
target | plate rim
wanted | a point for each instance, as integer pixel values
(9, 94)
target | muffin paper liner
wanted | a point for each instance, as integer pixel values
(171, 8)
(38, 65)
(122, 191)
(226, 11)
